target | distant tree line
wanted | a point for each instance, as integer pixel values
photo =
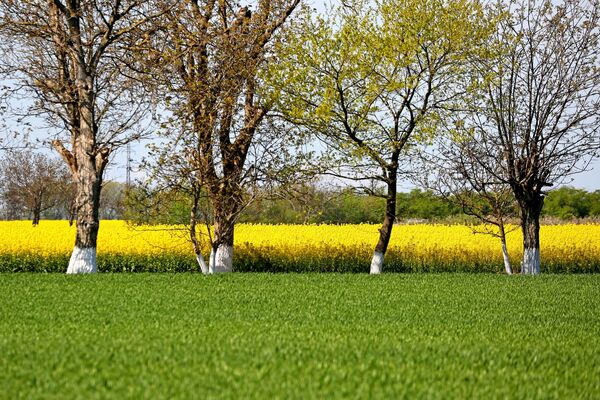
(349, 207)
(314, 204)
(37, 186)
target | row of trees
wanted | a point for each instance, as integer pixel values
(500, 100)
(506, 96)
(98, 70)
(36, 185)
(345, 206)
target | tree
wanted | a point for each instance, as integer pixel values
(535, 119)
(369, 78)
(454, 172)
(349, 207)
(291, 203)
(67, 56)
(112, 200)
(567, 203)
(31, 182)
(207, 62)
(145, 205)
(424, 204)
(595, 204)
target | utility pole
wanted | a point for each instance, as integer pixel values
(128, 174)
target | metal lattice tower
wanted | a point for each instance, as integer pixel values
(128, 174)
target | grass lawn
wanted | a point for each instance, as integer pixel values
(299, 336)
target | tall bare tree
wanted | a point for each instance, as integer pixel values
(66, 56)
(207, 60)
(32, 182)
(536, 118)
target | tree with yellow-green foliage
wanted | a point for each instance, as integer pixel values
(370, 80)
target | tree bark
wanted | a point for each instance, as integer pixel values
(385, 232)
(71, 213)
(530, 225)
(87, 202)
(221, 256)
(507, 266)
(193, 237)
(36, 216)
(87, 164)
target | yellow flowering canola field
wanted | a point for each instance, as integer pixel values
(421, 244)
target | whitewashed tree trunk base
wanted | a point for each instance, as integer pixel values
(376, 263)
(202, 264)
(83, 261)
(507, 266)
(222, 261)
(211, 261)
(531, 261)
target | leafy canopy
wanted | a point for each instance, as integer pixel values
(380, 71)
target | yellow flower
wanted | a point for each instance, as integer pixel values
(425, 242)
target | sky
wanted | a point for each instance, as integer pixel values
(589, 180)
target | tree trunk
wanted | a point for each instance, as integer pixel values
(197, 249)
(83, 258)
(71, 213)
(36, 216)
(193, 237)
(87, 164)
(221, 255)
(507, 266)
(385, 232)
(530, 225)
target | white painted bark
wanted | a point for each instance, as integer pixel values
(211, 261)
(221, 261)
(83, 261)
(202, 264)
(531, 261)
(376, 263)
(507, 266)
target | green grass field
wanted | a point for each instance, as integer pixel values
(299, 336)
